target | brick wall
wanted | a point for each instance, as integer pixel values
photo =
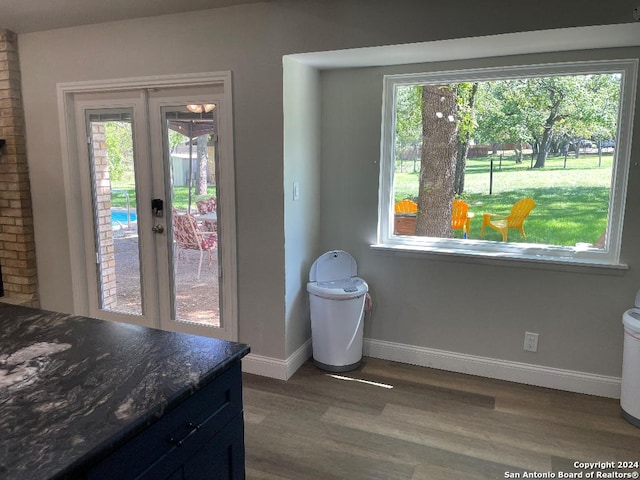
(17, 246)
(107, 256)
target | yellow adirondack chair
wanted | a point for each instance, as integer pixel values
(460, 217)
(406, 206)
(501, 223)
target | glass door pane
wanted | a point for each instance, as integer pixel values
(115, 212)
(190, 159)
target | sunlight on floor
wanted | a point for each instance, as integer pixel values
(359, 380)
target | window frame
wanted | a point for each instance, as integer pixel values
(609, 255)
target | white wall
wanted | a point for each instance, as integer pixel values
(301, 215)
(250, 40)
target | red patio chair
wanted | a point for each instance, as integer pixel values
(208, 206)
(188, 236)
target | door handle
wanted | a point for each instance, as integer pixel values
(158, 228)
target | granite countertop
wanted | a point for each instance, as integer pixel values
(71, 386)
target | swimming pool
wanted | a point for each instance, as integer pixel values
(119, 217)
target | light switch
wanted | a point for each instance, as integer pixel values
(296, 191)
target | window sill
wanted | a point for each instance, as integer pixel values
(520, 260)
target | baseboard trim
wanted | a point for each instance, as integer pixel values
(299, 357)
(274, 367)
(559, 379)
(549, 377)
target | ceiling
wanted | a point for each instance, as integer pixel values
(24, 16)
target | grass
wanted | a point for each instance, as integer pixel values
(571, 204)
(180, 196)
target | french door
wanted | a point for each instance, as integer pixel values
(155, 183)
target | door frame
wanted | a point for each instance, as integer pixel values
(73, 179)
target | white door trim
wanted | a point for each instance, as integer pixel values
(72, 180)
(135, 103)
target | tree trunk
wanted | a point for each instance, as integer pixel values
(599, 153)
(556, 99)
(461, 165)
(543, 149)
(518, 152)
(438, 161)
(202, 164)
(463, 146)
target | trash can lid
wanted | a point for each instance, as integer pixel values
(631, 319)
(333, 265)
(340, 289)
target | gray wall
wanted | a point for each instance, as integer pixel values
(461, 305)
(276, 242)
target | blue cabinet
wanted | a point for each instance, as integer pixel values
(200, 439)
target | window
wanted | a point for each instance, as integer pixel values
(523, 162)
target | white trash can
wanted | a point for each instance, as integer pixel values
(630, 393)
(337, 300)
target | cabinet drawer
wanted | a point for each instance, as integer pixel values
(179, 432)
(221, 457)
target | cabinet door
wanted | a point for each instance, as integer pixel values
(177, 475)
(220, 458)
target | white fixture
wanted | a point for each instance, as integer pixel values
(630, 392)
(337, 300)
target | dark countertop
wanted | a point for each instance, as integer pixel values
(73, 387)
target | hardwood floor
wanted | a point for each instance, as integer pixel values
(393, 421)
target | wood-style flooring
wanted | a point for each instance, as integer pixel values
(392, 421)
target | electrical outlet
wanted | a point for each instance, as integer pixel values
(530, 342)
(636, 14)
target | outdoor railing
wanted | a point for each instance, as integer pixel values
(126, 195)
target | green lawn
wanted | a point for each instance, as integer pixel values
(571, 204)
(180, 200)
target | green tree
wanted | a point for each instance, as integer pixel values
(466, 96)
(119, 140)
(501, 117)
(408, 121)
(409, 126)
(175, 139)
(548, 111)
(597, 111)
